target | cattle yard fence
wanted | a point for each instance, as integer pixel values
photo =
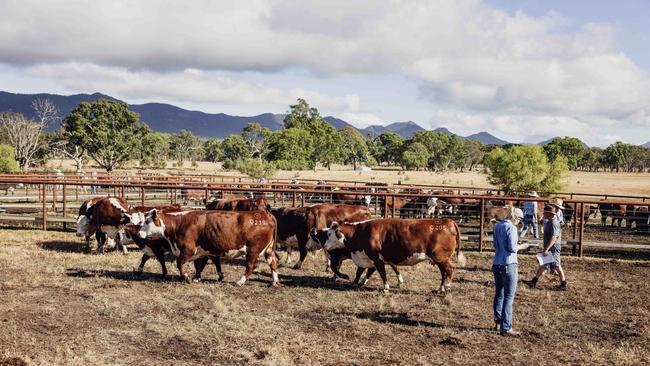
(48, 199)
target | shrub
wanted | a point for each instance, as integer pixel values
(8, 163)
(256, 168)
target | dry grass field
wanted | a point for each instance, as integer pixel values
(62, 306)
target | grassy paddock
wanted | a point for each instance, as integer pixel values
(60, 305)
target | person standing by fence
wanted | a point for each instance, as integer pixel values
(552, 245)
(530, 217)
(505, 270)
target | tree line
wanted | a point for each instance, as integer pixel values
(108, 133)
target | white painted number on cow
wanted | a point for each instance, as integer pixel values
(433, 228)
(257, 222)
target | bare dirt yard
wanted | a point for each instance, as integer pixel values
(60, 305)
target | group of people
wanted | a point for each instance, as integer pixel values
(507, 244)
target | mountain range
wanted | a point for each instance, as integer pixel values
(169, 118)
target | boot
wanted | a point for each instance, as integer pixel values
(532, 283)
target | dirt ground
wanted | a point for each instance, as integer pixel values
(60, 305)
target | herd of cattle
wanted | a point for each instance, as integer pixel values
(249, 227)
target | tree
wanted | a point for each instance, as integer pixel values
(8, 163)
(234, 147)
(355, 149)
(183, 146)
(256, 168)
(61, 146)
(415, 156)
(392, 145)
(445, 151)
(619, 155)
(255, 136)
(525, 168)
(107, 129)
(474, 153)
(569, 147)
(300, 115)
(24, 134)
(591, 159)
(327, 143)
(291, 149)
(212, 150)
(155, 149)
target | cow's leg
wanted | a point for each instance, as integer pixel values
(199, 265)
(287, 260)
(302, 247)
(447, 269)
(357, 277)
(101, 241)
(121, 246)
(160, 255)
(381, 268)
(217, 264)
(251, 259)
(328, 268)
(144, 260)
(400, 279)
(269, 255)
(183, 257)
(369, 273)
(336, 260)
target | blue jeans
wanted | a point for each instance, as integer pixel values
(527, 225)
(505, 279)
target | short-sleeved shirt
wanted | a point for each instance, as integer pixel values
(552, 228)
(505, 243)
(530, 210)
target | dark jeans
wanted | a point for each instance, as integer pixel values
(505, 280)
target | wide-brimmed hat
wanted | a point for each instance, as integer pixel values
(549, 209)
(556, 202)
(516, 213)
(533, 194)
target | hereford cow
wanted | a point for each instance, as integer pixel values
(83, 227)
(615, 211)
(394, 204)
(246, 204)
(638, 216)
(299, 222)
(194, 235)
(192, 195)
(399, 242)
(105, 216)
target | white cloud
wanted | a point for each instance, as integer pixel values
(482, 67)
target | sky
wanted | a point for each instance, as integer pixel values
(525, 70)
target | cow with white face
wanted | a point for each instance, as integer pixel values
(195, 235)
(399, 242)
(105, 217)
(84, 227)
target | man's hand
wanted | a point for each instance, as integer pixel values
(546, 252)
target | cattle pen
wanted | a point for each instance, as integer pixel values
(47, 199)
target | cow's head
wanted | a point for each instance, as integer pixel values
(367, 199)
(317, 239)
(335, 238)
(82, 225)
(153, 226)
(137, 218)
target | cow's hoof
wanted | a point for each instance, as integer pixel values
(138, 270)
(221, 277)
(196, 280)
(275, 284)
(186, 279)
(297, 266)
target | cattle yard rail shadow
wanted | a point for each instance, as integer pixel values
(55, 194)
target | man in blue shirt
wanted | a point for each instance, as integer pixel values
(530, 217)
(552, 245)
(504, 268)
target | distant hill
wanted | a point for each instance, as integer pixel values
(169, 118)
(486, 138)
(646, 145)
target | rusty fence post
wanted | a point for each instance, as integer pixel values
(141, 196)
(482, 226)
(386, 206)
(575, 222)
(582, 228)
(65, 205)
(303, 199)
(294, 199)
(44, 197)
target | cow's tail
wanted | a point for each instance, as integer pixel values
(459, 254)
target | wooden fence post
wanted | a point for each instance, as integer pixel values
(141, 196)
(582, 228)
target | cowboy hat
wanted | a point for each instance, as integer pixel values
(533, 194)
(557, 202)
(549, 209)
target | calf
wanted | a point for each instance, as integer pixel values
(106, 216)
(400, 242)
(197, 234)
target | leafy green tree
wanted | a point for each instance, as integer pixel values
(256, 168)
(107, 129)
(445, 151)
(591, 159)
(234, 147)
(620, 155)
(474, 153)
(328, 144)
(8, 163)
(300, 115)
(291, 149)
(355, 149)
(212, 150)
(415, 156)
(255, 136)
(569, 147)
(184, 145)
(525, 168)
(392, 146)
(155, 149)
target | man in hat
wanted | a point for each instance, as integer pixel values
(559, 209)
(552, 240)
(530, 217)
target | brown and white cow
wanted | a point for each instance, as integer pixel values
(107, 216)
(246, 204)
(194, 235)
(399, 242)
(83, 220)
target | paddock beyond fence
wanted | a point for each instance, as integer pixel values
(45, 200)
